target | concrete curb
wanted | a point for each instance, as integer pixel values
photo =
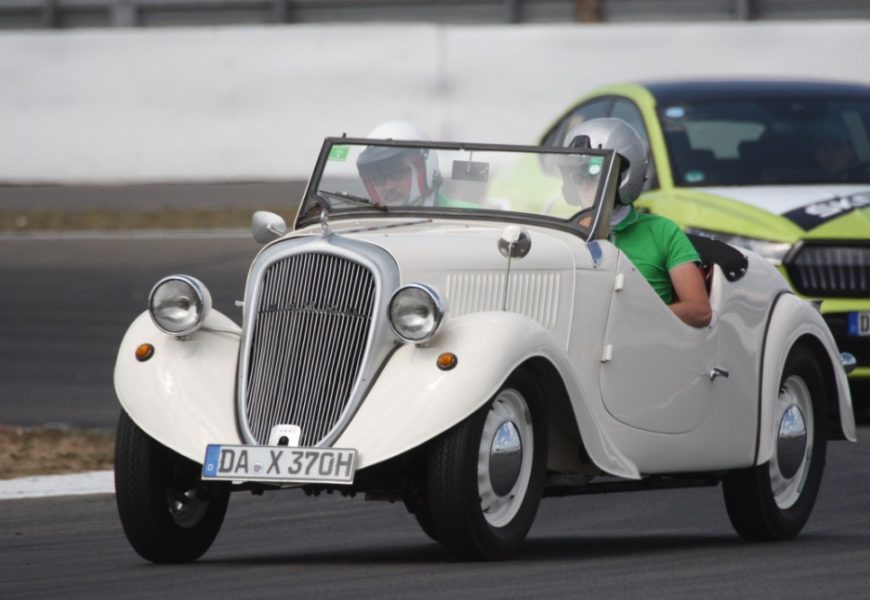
(41, 486)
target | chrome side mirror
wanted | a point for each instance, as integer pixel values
(267, 226)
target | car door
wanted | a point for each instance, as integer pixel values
(655, 369)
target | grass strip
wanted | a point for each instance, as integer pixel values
(47, 451)
(111, 220)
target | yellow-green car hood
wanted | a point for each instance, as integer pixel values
(778, 213)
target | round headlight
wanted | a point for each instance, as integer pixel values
(416, 311)
(178, 304)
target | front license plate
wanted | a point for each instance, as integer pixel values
(279, 464)
(859, 323)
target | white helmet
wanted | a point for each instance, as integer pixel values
(616, 134)
(377, 161)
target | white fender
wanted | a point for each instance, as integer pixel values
(793, 318)
(412, 401)
(184, 395)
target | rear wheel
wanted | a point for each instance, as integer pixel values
(486, 474)
(169, 515)
(773, 501)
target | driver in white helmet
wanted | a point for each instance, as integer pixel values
(397, 176)
(655, 245)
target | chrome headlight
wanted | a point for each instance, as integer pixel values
(178, 304)
(772, 251)
(416, 311)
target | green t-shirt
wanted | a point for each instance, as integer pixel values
(655, 245)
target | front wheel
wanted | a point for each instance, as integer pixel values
(773, 501)
(169, 515)
(486, 475)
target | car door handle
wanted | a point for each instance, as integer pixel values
(717, 372)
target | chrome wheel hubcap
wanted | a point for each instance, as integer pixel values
(790, 464)
(505, 458)
(504, 461)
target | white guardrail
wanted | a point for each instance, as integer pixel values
(253, 103)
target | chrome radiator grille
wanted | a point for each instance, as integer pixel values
(312, 322)
(826, 271)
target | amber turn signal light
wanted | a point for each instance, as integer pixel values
(446, 361)
(144, 352)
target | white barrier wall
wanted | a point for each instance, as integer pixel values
(254, 103)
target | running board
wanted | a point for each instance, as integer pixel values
(574, 485)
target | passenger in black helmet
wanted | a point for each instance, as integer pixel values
(655, 245)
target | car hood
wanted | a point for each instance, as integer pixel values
(446, 248)
(782, 213)
(810, 206)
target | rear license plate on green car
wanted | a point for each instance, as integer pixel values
(279, 464)
(859, 324)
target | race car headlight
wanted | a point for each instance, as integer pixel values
(178, 304)
(416, 311)
(772, 251)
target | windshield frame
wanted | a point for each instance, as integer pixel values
(601, 206)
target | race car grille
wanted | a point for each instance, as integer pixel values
(312, 322)
(831, 271)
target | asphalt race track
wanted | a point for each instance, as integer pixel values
(663, 544)
(65, 302)
(67, 298)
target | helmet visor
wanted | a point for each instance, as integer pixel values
(395, 169)
(580, 178)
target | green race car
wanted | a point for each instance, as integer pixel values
(778, 167)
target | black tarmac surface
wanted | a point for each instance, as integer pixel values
(65, 303)
(663, 544)
(67, 297)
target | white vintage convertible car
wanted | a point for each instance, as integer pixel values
(468, 345)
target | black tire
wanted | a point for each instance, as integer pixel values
(757, 511)
(420, 509)
(860, 389)
(457, 491)
(168, 514)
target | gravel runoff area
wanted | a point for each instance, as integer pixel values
(49, 451)
(36, 462)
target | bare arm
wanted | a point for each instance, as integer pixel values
(691, 303)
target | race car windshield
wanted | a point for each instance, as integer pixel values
(368, 176)
(768, 141)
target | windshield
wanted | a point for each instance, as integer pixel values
(768, 141)
(401, 177)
